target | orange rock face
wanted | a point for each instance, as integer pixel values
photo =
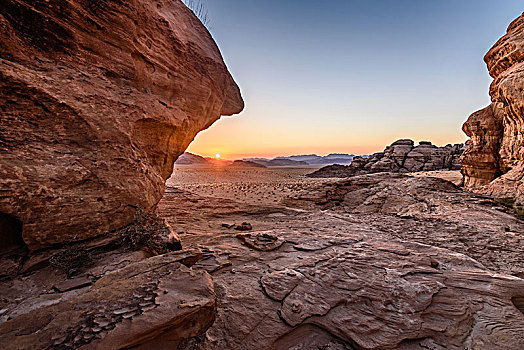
(481, 159)
(494, 160)
(97, 101)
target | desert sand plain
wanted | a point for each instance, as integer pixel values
(266, 186)
(250, 185)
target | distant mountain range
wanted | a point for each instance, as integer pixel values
(245, 164)
(275, 162)
(305, 159)
(295, 160)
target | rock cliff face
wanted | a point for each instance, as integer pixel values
(401, 156)
(97, 101)
(494, 161)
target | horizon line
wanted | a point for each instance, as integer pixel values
(272, 155)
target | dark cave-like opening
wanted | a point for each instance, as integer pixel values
(10, 234)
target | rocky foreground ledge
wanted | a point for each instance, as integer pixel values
(401, 156)
(381, 261)
(155, 303)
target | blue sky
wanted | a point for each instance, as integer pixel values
(351, 76)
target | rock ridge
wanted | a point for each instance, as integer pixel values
(157, 301)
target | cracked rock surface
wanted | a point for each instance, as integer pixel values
(126, 300)
(382, 261)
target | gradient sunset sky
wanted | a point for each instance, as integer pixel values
(351, 76)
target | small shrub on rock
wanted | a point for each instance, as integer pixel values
(71, 260)
(151, 232)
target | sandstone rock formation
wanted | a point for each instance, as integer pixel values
(401, 156)
(97, 101)
(493, 163)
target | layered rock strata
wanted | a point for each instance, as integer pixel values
(493, 163)
(401, 156)
(97, 101)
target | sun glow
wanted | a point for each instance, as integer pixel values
(217, 156)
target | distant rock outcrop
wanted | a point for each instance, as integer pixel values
(98, 99)
(402, 156)
(187, 158)
(245, 164)
(493, 162)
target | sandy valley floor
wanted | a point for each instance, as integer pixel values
(264, 186)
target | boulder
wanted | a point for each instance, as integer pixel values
(425, 143)
(385, 165)
(98, 100)
(415, 160)
(403, 142)
(480, 160)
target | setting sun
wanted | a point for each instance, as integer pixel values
(217, 156)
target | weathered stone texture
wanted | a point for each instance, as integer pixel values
(97, 101)
(494, 160)
(151, 303)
